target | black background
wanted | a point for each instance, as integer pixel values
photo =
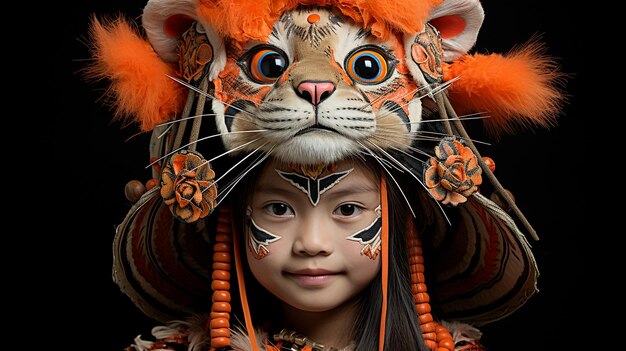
(543, 168)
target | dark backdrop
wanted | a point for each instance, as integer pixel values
(543, 169)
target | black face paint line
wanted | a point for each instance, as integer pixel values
(314, 188)
(259, 239)
(370, 237)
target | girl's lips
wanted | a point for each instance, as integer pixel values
(312, 277)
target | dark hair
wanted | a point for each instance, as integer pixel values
(402, 330)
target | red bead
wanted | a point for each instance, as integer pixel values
(151, 183)
(490, 163)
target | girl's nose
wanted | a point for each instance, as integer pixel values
(314, 238)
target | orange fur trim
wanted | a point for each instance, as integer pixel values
(243, 20)
(516, 90)
(139, 89)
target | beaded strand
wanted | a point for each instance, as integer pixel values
(436, 336)
(219, 321)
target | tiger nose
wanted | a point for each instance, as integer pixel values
(315, 92)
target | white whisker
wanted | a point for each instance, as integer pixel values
(392, 178)
(199, 91)
(235, 165)
(199, 140)
(416, 178)
(236, 181)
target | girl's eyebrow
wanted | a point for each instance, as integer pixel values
(351, 189)
(266, 188)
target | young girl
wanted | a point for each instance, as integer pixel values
(333, 201)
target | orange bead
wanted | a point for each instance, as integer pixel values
(221, 257)
(429, 336)
(447, 343)
(151, 183)
(425, 318)
(442, 349)
(220, 332)
(313, 18)
(214, 315)
(416, 251)
(491, 164)
(221, 296)
(219, 323)
(220, 275)
(218, 343)
(222, 238)
(133, 190)
(220, 285)
(418, 288)
(416, 259)
(421, 298)
(222, 247)
(427, 327)
(431, 344)
(422, 308)
(222, 266)
(417, 268)
(221, 307)
(223, 227)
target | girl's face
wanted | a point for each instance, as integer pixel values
(313, 240)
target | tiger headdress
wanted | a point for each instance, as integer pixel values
(311, 82)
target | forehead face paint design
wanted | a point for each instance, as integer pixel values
(370, 237)
(313, 187)
(259, 238)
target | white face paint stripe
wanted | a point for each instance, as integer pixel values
(259, 239)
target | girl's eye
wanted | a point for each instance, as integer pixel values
(367, 66)
(265, 64)
(278, 209)
(348, 210)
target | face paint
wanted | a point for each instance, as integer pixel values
(370, 237)
(258, 238)
(313, 187)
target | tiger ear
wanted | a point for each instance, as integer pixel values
(458, 23)
(166, 21)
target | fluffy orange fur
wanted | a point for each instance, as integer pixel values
(520, 89)
(140, 89)
(253, 19)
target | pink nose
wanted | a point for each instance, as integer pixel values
(315, 92)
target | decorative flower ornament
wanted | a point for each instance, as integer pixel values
(187, 186)
(454, 174)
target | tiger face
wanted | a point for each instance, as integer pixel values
(314, 84)
(319, 89)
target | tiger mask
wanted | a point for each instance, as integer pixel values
(320, 86)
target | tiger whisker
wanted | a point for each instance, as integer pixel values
(446, 135)
(382, 96)
(414, 176)
(199, 91)
(232, 185)
(438, 89)
(235, 166)
(199, 140)
(392, 178)
(387, 162)
(164, 132)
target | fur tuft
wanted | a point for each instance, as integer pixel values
(253, 19)
(140, 88)
(519, 89)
